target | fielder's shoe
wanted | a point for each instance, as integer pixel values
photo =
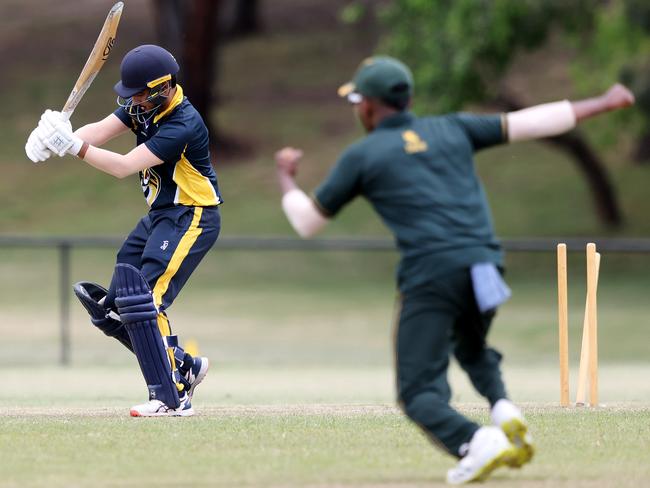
(156, 408)
(196, 374)
(506, 415)
(488, 450)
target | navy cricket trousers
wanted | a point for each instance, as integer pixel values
(166, 246)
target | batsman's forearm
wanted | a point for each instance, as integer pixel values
(99, 133)
(114, 164)
(119, 165)
(107, 161)
(92, 135)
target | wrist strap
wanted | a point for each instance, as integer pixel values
(82, 152)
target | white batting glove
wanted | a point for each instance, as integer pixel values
(56, 131)
(35, 148)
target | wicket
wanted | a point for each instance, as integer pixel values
(588, 370)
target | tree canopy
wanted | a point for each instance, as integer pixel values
(461, 50)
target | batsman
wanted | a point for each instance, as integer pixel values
(172, 159)
(418, 174)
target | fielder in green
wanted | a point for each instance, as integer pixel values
(418, 173)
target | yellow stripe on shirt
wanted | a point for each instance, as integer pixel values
(192, 187)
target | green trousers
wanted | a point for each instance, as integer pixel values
(434, 322)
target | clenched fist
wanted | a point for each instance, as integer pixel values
(287, 160)
(618, 96)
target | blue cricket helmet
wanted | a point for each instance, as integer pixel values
(144, 67)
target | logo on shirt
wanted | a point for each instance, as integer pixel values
(165, 245)
(413, 143)
(150, 182)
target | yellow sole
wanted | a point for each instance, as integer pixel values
(504, 458)
(517, 433)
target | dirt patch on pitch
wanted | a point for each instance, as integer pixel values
(349, 410)
(341, 410)
(346, 410)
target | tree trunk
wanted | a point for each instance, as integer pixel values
(247, 20)
(642, 150)
(169, 18)
(199, 54)
(190, 30)
(598, 180)
(594, 171)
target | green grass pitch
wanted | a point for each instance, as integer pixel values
(291, 427)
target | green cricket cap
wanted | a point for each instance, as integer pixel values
(382, 77)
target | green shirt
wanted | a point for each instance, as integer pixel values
(419, 175)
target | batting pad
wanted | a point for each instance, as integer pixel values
(139, 315)
(90, 295)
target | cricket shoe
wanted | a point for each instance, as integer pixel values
(196, 374)
(488, 450)
(506, 415)
(156, 408)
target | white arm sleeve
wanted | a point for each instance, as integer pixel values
(549, 119)
(302, 213)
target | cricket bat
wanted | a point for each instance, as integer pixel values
(99, 54)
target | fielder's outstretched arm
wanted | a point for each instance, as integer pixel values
(535, 122)
(301, 211)
(552, 119)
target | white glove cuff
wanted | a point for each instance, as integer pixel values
(77, 143)
(549, 119)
